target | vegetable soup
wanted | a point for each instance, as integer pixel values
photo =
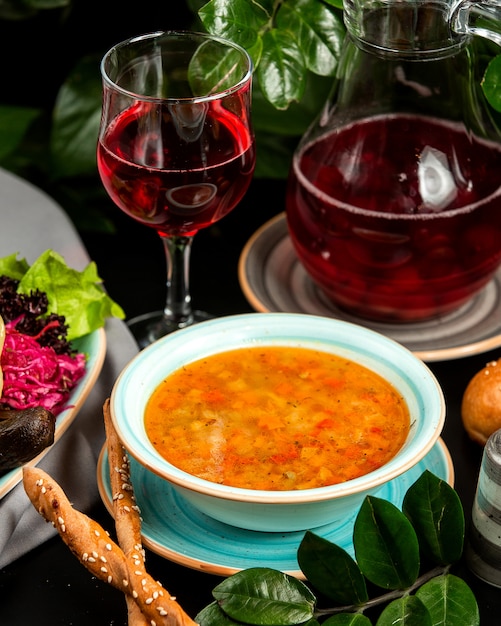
(276, 418)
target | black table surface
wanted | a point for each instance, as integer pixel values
(49, 585)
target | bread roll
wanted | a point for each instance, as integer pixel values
(481, 405)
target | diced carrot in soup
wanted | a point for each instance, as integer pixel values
(276, 418)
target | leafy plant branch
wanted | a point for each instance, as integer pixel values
(389, 548)
(290, 38)
(385, 598)
(287, 39)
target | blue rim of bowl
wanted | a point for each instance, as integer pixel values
(397, 363)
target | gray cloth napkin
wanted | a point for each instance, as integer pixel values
(30, 223)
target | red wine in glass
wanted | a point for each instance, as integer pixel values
(176, 186)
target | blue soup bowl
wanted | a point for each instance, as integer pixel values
(278, 511)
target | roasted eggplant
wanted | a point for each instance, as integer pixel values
(24, 434)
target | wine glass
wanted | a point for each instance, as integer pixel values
(176, 148)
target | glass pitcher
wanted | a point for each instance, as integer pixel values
(394, 199)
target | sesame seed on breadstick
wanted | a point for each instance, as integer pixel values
(88, 541)
(94, 548)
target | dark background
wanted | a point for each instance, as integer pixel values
(49, 586)
(38, 52)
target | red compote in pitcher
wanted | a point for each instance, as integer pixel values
(394, 198)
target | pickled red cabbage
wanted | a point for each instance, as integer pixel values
(35, 375)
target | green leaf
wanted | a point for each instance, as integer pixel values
(491, 83)
(318, 31)
(264, 596)
(337, 4)
(348, 619)
(76, 121)
(255, 51)
(275, 156)
(386, 545)
(301, 36)
(14, 122)
(331, 570)
(210, 71)
(12, 266)
(213, 615)
(449, 601)
(278, 132)
(239, 21)
(298, 116)
(79, 296)
(406, 611)
(436, 512)
(281, 71)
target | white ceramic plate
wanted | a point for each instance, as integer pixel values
(94, 345)
(174, 529)
(273, 279)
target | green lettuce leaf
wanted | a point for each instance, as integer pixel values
(13, 267)
(78, 296)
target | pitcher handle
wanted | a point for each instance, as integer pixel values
(468, 17)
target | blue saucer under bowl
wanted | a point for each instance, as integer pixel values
(176, 530)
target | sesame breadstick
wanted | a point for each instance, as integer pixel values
(94, 548)
(135, 615)
(125, 510)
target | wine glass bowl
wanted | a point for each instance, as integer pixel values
(176, 147)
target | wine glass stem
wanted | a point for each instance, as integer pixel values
(178, 311)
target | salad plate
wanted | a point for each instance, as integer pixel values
(273, 279)
(94, 346)
(177, 531)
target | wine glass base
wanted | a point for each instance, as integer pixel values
(149, 327)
